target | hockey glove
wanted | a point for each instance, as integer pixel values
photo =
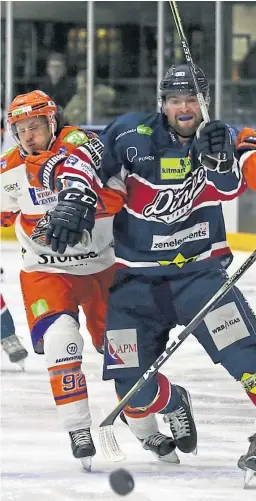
(40, 168)
(73, 216)
(215, 148)
(246, 154)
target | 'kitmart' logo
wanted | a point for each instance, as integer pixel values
(174, 168)
(179, 260)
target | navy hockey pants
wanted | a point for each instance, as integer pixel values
(142, 310)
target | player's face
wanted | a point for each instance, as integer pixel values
(183, 113)
(34, 134)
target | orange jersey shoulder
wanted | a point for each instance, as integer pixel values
(10, 159)
(68, 140)
(249, 163)
(249, 171)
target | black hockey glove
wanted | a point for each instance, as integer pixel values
(215, 148)
(72, 217)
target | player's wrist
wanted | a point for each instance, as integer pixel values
(46, 174)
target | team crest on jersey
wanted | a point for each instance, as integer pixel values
(63, 150)
(3, 163)
(171, 205)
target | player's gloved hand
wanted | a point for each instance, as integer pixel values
(40, 168)
(246, 154)
(215, 148)
(73, 216)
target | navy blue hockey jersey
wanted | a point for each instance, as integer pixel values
(172, 218)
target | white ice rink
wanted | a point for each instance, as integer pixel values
(37, 464)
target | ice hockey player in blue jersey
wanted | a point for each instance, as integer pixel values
(170, 243)
(172, 171)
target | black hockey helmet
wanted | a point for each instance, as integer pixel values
(178, 79)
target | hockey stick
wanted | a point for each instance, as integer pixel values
(108, 441)
(199, 95)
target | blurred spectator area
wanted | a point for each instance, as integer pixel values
(126, 50)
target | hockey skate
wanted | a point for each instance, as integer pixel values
(247, 462)
(83, 447)
(14, 349)
(182, 424)
(161, 446)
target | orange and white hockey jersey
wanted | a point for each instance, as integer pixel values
(26, 207)
(248, 159)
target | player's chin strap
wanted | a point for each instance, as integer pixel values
(53, 139)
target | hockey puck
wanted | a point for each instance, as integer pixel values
(121, 481)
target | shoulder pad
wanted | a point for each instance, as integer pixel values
(5, 155)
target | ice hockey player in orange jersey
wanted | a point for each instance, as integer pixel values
(54, 285)
(246, 152)
(57, 278)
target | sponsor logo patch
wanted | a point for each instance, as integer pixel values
(75, 260)
(122, 349)
(179, 260)
(145, 130)
(3, 163)
(197, 232)
(174, 168)
(11, 187)
(39, 308)
(124, 133)
(75, 137)
(42, 196)
(226, 325)
(71, 161)
(68, 359)
(72, 348)
(131, 153)
(63, 150)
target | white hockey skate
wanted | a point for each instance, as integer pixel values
(247, 462)
(162, 447)
(83, 447)
(14, 349)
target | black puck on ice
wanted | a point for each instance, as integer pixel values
(121, 481)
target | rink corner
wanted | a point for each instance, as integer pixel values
(242, 241)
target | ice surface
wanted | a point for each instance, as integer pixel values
(37, 464)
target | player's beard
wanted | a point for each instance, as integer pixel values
(183, 130)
